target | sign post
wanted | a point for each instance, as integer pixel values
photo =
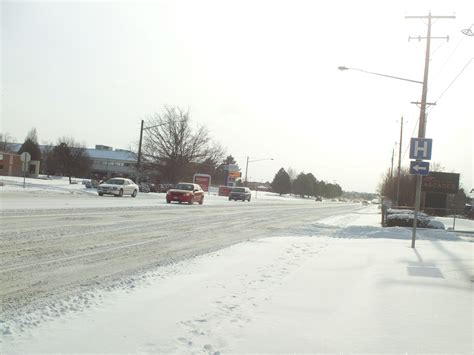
(420, 149)
(25, 157)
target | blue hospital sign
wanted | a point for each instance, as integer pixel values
(420, 148)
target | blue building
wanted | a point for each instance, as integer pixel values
(111, 162)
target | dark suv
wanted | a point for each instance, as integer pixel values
(240, 193)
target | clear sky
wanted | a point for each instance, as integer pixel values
(261, 75)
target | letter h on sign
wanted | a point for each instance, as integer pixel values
(420, 148)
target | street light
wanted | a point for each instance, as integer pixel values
(343, 68)
(468, 31)
(252, 161)
(422, 129)
(140, 148)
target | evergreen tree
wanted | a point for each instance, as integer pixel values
(31, 145)
(304, 184)
(299, 184)
(281, 182)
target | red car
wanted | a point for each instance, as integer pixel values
(186, 192)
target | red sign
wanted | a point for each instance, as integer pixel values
(224, 190)
(203, 180)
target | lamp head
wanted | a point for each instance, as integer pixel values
(468, 31)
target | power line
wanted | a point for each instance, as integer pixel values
(456, 78)
(412, 134)
(450, 55)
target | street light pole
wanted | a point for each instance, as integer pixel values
(139, 154)
(140, 148)
(342, 68)
(397, 202)
(252, 161)
(246, 170)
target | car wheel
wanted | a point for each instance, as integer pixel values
(168, 201)
(134, 194)
(101, 194)
(249, 199)
(120, 193)
(191, 201)
(202, 201)
(230, 199)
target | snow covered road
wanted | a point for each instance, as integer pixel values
(48, 254)
(84, 274)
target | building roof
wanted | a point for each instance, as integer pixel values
(117, 154)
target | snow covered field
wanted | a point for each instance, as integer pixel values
(337, 284)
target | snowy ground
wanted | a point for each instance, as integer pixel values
(340, 284)
(56, 193)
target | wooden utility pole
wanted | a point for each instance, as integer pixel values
(397, 202)
(422, 120)
(137, 179)
(391, 166)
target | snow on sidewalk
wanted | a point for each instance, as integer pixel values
(340, 285)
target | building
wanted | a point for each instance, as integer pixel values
(106, 161)
(10, 164)
(109, 162)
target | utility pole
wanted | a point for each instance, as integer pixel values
(391, 166)
(397, 202)
(246, 169)
(139, 154)
(422, 120)
(140, 148)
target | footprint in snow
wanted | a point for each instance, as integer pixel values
(185, 341)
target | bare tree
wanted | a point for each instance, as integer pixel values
(436, 166)
(5, 140)
(292, 174)
(172, 143)
(69, 158)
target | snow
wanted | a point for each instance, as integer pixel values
(342, 284)
(57, 193)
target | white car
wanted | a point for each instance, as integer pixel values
(118, 187)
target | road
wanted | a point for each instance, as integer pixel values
(50, 254)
